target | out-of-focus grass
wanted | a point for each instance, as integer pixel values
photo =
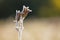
(56, 4)
(35, 29)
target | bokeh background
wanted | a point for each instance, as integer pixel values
(43, 23)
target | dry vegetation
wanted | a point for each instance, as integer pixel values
(42, 29)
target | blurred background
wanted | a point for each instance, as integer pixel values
(43, 23)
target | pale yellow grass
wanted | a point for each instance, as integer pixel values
(35, 29)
